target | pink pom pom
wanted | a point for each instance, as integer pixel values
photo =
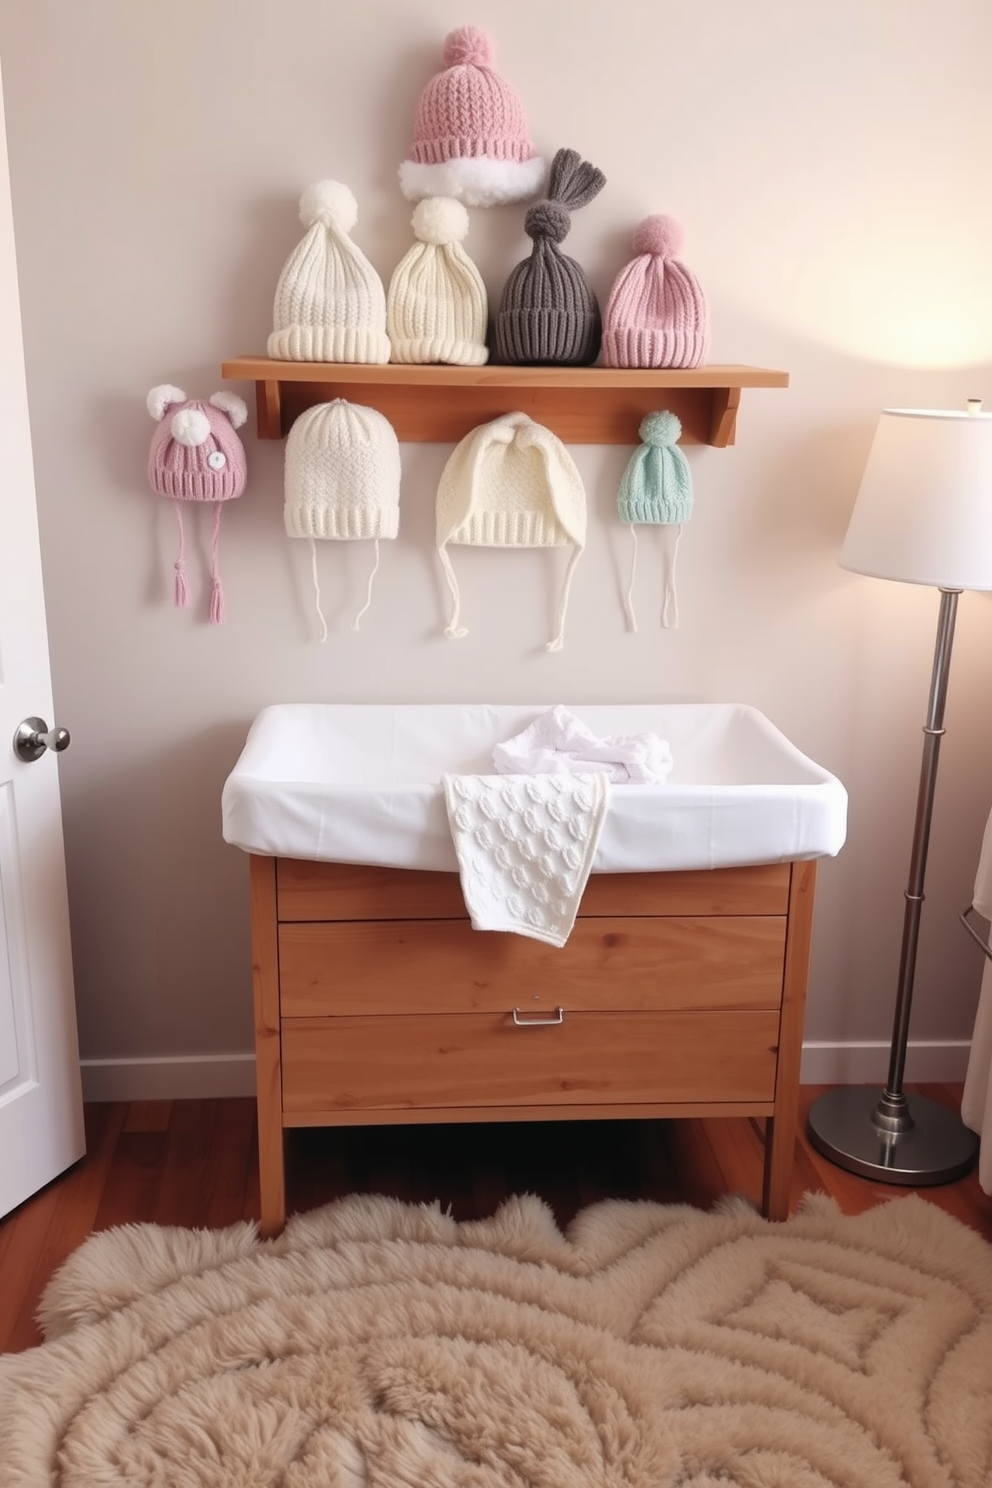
(661, 235)
(468, 47)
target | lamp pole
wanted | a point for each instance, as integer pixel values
(885, 1136)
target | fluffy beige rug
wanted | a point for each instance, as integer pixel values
(380, 1345)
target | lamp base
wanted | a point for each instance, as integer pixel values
(936, 1148)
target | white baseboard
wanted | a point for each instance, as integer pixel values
(177, 1077)
(868, 1063)
(210, 1076)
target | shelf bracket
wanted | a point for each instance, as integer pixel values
(724, 404)
(268, 406)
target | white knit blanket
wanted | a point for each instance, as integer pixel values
(525, 846)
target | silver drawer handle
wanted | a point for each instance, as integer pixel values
(539, 1022)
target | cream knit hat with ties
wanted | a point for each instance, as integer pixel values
(330, 305)
(437, 309)
(511, 484)
(342, 481)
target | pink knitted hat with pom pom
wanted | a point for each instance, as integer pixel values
(470, 136)
(656, 315)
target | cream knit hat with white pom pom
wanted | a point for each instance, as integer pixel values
(436, 309)
(330, 305)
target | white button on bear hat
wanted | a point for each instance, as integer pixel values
(342, 480)
(330, 304)
(511, 483)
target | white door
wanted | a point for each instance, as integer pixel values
(41, 1110)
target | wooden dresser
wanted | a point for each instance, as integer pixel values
(677, 994)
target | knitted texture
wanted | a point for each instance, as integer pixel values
(656, 315)
(342, 477)
(436, 308)
(525, 846)
(197, 455)
(330, 305)
(656, 486)
(510, 483)
(549, 312)
(470, 136)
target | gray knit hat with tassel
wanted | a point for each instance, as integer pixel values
(548, 311)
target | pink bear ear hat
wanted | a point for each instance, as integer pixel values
(470, 134)
(657, 314)
(196, 455)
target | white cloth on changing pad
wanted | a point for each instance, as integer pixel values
(558, 741)
(976, 1101)
(525, 846)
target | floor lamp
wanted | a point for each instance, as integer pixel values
(923, 516)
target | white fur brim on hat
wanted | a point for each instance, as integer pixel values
(478, 180)
(302, 343)
(425, 350)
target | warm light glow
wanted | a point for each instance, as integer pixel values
(924, 508)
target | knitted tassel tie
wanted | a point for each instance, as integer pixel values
(181, 582)
(217, 610)
(368, 592)
(316, 591)
(670, 600)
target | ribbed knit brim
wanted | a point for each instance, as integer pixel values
(511, 529)
(564, 338)
(304, 343)
(190, 484)
(304, 518)
(665, 510)
(424, 350)
(674, 347)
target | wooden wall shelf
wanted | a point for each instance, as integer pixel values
(439, 405)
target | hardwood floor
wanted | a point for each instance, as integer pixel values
(193, 1163)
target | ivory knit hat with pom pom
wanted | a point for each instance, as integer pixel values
(197, 455)
(342, 481)
(470, 136)
(436, 308)
(656, 487)
(330, 305)
(656, 315)
(548, 311)
(511, 483)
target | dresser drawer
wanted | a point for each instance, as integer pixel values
(384, 967)
(341, 891)
(484, 1059)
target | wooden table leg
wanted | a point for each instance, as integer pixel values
(780, 1139)
(268, 1045)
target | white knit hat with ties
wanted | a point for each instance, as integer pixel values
(342, 481)
(511, 484)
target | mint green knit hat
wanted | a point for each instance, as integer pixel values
(657, 483)
(656, 488)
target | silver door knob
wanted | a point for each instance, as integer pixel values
(33, 737)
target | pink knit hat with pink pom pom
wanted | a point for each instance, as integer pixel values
(656, 315)
(470, 135)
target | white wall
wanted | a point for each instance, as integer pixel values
(829, 165)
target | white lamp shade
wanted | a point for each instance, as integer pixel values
(924, 509)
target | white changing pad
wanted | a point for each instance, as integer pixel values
(361, 783)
